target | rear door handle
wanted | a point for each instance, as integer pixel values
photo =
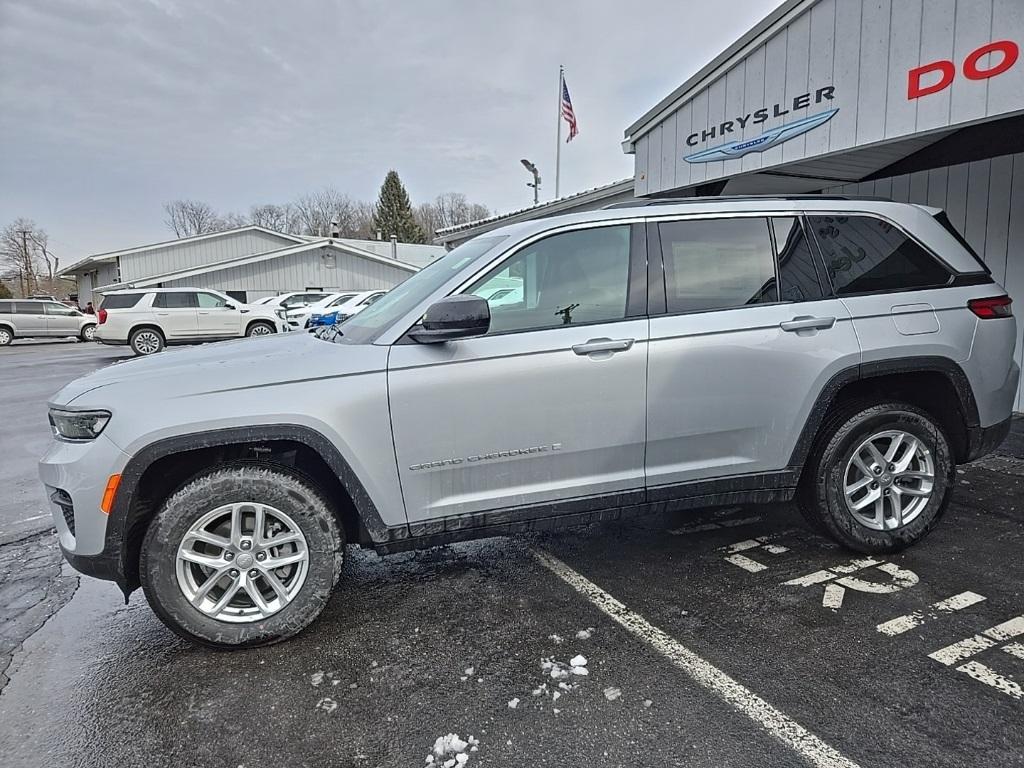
(602, 345)
(805, 323)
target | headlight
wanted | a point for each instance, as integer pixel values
(78, 425)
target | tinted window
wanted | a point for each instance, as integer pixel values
(210, 300)
(575, 277)
(864, 254)
(798, 272)
(121, 300)
(59, 309)
(717, 264)
(28, 308)
(175, 300)
(6, 307)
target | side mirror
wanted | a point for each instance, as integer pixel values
(229, 306)
(456, 317)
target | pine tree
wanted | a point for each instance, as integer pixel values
(393, 212)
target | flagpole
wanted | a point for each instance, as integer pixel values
(558, 134)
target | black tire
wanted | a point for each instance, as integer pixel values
(6, 336)
(142, 341)
(265, 329)
(821, 496)
(87, 333)
(265, 484)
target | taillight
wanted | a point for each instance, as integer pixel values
(102, 315)
(987, 309)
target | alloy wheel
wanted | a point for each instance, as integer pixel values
(888, 480)
(5, 337)
(260, 330)
(242, 562)
(147, 342)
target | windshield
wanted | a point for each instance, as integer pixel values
(403, 298)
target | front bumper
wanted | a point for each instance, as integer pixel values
(75, 477)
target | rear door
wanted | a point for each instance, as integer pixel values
(176, 313)
(61, 320)
(743, 338)
(31, 318)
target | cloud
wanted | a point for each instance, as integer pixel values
(107, 109)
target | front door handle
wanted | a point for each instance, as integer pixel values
(806, 323)
(602, 345)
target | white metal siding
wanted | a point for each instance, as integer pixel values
(985, 201)
(298, 272)
(865, 49)
(176, 256)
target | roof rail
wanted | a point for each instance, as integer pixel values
(639, 203)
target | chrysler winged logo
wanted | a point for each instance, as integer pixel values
(770, 138)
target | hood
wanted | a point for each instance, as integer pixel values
(240, 364)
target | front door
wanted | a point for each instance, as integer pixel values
(176, 314)
(548, 406)
(215, 318)
(745, 342)
(61, 320)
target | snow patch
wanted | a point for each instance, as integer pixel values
(584, 634)
(578, 661)
(327, 704)
(611, 693)
(513, 703)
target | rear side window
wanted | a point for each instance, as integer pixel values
(6, 307)
(798, 271)
(864, 254)
(175, 300)
(121, 300)
(717, 264)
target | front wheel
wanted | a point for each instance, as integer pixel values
(880, 478)
(259, 329)
(241, 557)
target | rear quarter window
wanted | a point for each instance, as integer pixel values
(865, 254)
(120, 300)
(6, 307)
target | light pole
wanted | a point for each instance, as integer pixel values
(536, 178)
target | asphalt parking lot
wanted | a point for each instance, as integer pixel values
(727, 637)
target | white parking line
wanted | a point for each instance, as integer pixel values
(902, 624)
(774, 722)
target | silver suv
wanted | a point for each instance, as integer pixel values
(37, 318)
(846, 354)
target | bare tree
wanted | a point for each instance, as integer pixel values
(25, 256)
(448, 210)
(320, 213)
(187, 218)
(280, 218)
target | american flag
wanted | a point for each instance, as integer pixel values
(568, 114)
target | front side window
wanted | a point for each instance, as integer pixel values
(175, 300)
(568, 279)
(210, 301)
(60, 309)
(717, 264)
(865, 254)
(798, 271)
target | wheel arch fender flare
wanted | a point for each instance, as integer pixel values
(949, 369)
(125, 513)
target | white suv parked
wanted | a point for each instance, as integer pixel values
(147, 320)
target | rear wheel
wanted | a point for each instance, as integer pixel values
(259, 329)
(241, 557)
(146, 341)
(6, 336)
(88, 333)
(880, 477)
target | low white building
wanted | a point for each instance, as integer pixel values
(251, 262)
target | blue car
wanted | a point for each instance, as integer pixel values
(327, 318)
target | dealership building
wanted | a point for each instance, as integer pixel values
(918, 101)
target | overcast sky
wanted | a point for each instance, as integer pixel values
(108, 109)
